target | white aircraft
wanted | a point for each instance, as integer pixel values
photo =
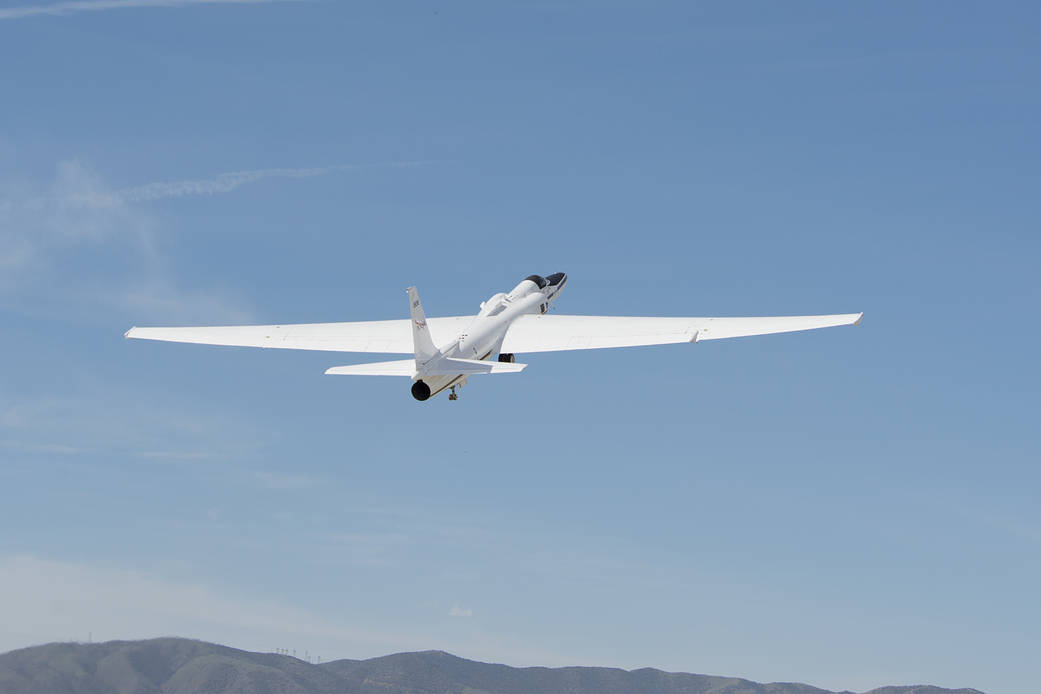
(447, 351)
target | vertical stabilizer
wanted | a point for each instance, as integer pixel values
(422, 343)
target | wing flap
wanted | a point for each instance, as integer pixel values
(552, 333)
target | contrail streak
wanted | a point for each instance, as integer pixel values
(226, 182)
(221, 183)
(62, 8)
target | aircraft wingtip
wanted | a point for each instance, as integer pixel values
(126, 335)
(859, 318)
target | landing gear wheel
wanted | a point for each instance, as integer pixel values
(452, 395)
(506, 358)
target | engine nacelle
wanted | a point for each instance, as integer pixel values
(420, 391)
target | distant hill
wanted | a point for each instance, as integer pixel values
(183, 666)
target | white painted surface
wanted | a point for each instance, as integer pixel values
(553, 333)
(384, 336)
(446, 350)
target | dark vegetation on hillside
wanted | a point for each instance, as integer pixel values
(183, 666)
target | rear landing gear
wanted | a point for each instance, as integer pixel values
(452, 395)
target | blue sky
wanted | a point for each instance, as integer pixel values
(850, 508)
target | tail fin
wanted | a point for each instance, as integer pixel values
(422, 344)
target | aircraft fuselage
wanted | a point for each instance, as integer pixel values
(484, 336)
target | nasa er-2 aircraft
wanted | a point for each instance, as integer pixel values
(447, 351)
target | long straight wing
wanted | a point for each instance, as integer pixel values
(529, 333)
(554, 333)
(383, 336)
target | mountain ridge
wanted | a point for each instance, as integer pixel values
(171, 665)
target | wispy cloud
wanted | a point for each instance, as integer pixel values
(46, 225)
(35, 223)
(221, 183)
(46, 448)
(99, 417)
(44, 600)
(74, 6)
(458, 611)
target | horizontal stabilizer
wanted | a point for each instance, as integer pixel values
(401, 367)
(451, 367)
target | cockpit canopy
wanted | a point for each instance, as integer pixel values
(529, 284)
(548, 287)
(538, 279)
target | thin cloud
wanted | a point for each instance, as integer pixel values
(159, 296)
(34, 226)
(47, 225)
(221, 183)
(46, 448)
(46, 600)
(107, 420)
(457, 611)
(64, 8)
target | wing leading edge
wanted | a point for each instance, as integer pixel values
(554, 333)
